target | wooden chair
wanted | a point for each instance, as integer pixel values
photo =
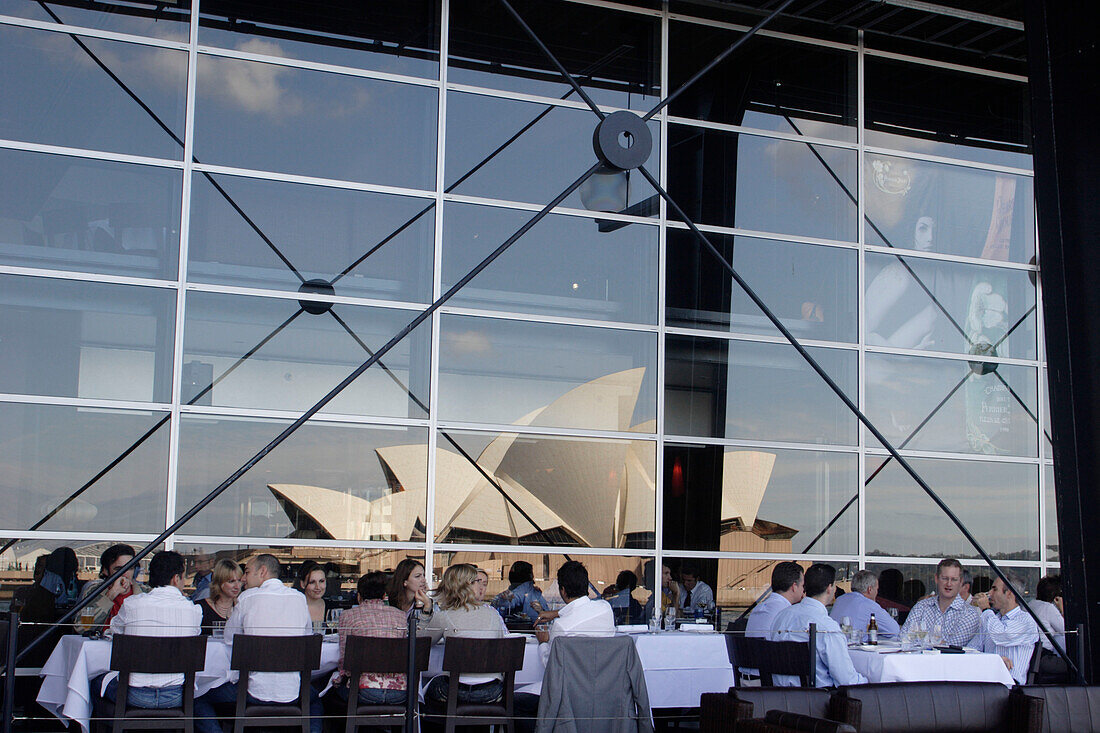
(301, 654)
(482, 656)
(795, 658)
(132, 654)
(384, 656)
(745, 651)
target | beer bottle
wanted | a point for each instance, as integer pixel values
(872, 630)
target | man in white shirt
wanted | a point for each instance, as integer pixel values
(268, 608)
(956, 619)
(694, 593)
(834, 665)
(1048, 607)
(1006, 628)
(964, 587)
(581, 616)
(163, 611)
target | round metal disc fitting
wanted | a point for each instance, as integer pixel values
(320, 287)
(622, 140)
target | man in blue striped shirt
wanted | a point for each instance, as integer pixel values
(1006, 628)
(957, 620)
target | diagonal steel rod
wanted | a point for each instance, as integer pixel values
(161, 123)
(553, 59)
(319, 405)
(717, 60)
(473, 462)
(882, 235)
(599, 63)
(149, 433)
(843, 396)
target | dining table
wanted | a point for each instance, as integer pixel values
(678, 667)
(889, 662)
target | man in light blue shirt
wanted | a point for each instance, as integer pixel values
(1006, 628)
(788, 586)
(834, 666)
(860, 604)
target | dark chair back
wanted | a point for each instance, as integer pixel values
(794, 658)
(384, 656)
(131, 654)
(802, 700)
(927, 707)
(464, 655)
(1065, 708)
(1033, 664)
(744, 651)
(252, 653)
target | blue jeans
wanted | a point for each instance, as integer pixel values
(486, 692)
(148, 697)
(375, 696)
(206, 720)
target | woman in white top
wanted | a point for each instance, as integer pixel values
(459, 613)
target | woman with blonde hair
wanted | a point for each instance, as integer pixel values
(225, 586)
(458, 612)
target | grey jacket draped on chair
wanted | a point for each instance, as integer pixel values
(594, 685)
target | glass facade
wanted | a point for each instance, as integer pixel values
(210, 214)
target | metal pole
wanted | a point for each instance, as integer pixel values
(411, 693)
(813, 655)
(1081, 654)
(9, 678)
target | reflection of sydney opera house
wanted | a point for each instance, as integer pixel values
(534, 491)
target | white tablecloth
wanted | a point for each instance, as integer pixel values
(889, 665)
(76, 660)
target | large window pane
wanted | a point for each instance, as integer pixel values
(743, 389)
(767, 84)
(326, 481)
(1051, 518)
(505, 488)
(87, 215)
(553, 148)
(760, 500)
(942, 405)
(49, 452)
(67, 338)
(998, 503)
(924, 109)
(812, 289)
(343, 566)
(742, 582)
(169, 22)
(304, 359)
(321, 231)
(906, 584)
(603, 571)
(615, 56)
(399, 38)
(914, 303)
(933, 207)
(269, 117)
(54, 92)
(763, 184)
(564, 266)
(497, 371)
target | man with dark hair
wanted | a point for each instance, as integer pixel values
(163, 611)
(788, 587)
(522, 601)
(859, 605)
(1048, 607)
(834, 665)
(581, 616)
(100, 609)
(694, 593)
(964, 587)
(956, 619)
(626, 607)
(267, 608)
(1006, 628)
(373, 617)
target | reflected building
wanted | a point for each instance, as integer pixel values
(198, 246)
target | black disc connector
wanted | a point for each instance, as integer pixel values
(622, 140)
(319, 287)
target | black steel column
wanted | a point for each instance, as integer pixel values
(1063, 60)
